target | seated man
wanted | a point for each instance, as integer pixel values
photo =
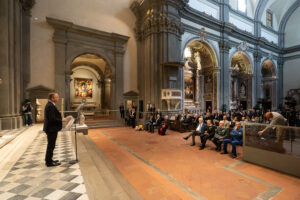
(149, 122)
(164, 126)
(156, 123)
(201, 127)
(187, 122)
(208, 133)
(237, 138)
(219, 136)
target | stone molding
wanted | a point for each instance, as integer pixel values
(72, 40)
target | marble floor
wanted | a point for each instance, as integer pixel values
(29, 178)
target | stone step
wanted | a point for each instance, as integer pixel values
(102, 179)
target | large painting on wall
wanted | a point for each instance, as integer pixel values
(83, 88)
(189, 88)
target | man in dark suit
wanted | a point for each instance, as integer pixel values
(52, 124)
(201, 127)
(132, 118)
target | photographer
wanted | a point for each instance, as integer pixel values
(27, 108)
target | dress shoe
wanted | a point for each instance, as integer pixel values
(192, 144)
(201, 148)
(233, 156)
(52, 164)
(224, 152)
(55, 161)
(186, 138)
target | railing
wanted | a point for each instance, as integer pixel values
(277, 148)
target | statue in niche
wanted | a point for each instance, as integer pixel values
(236, 68)
(243, 91)
(188, 64)
(198, 60)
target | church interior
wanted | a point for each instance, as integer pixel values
(158, 99)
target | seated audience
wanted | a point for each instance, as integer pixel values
(208, 134)
(164, 126)
(219, 136)
(236, 139)
(201, 127)
(149, 123)
(156, 123)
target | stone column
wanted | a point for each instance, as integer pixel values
(257, 76)
(198, 87)
(280, 95)
(11, 59)
(158, 32)
(107, 89)
(225, 73)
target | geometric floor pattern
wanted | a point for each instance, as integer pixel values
(30, 179)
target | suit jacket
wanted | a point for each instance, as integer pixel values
(203, 128)
(237, 134)
(53, 120)
(133, 115)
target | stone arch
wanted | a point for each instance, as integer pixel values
(81, 51)
(91, 65)
(241, 80)
(202, 74)
(207, 42)
(284, 21)
(71, 41)
(269, 83)
(248, 56)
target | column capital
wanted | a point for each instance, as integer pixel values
(224, 45)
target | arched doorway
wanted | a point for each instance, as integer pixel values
(200, 76)
(268, 74)
(90, 82)
(241, 81)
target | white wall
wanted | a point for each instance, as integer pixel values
(292, 30)
(110, 16)
(291, 74)
(241, 23)
(205, 6)
(251, 5)
(271, 37)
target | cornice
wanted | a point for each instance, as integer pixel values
(71, 27)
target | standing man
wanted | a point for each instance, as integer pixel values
(52, 124)
(122, 110)
(133, 117)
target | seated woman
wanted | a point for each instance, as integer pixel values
(149, 123)
(164, 126)
(219, 136)
(236, 138)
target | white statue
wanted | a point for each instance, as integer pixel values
(187, 64)
(236, 68)
(81, 119)
(243, 91)
(198, 60)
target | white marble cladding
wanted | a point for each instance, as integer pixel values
(187, 22)
(272, 37)
(171, 94)
(241, 23)
(205, 6)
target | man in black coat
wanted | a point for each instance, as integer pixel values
(52, 124)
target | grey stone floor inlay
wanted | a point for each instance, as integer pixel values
(29, 178)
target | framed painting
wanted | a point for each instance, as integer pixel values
(83, 88)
